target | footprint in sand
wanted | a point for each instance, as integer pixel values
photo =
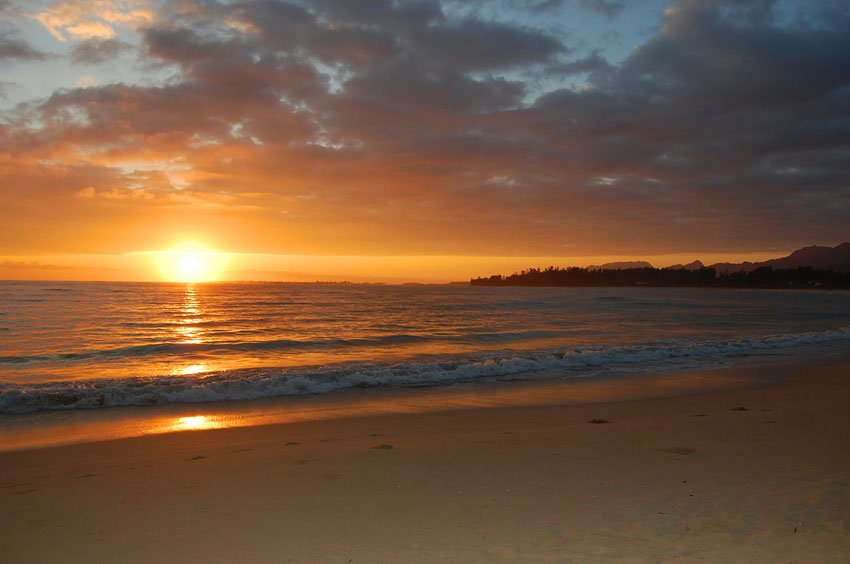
(384, 446)
(198, 457)
(292, 443)
(243, 449)
(678, 450)
(739, 408)
(598, 421)
(17, 485)
(86, 476)
(376, 435)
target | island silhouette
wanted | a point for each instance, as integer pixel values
(814, 267)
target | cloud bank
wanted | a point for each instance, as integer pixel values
(407, 127)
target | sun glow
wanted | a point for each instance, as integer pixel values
(190, 263)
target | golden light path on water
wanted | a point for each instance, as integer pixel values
(189, 331)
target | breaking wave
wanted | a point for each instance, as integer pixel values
(255, 383)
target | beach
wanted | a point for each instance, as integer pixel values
(402, 281)
(755, 472)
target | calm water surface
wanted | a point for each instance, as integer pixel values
(90, 345)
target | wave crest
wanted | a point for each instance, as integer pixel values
(247, 384)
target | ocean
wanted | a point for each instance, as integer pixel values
(89, 346)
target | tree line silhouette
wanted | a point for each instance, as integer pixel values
(762, 277)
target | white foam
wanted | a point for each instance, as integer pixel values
(247, 384)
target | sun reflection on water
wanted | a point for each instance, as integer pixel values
(191, 314)
(191, 369)
(195, 423)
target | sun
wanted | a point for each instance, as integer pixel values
(190, 262)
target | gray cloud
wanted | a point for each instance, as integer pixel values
(475, 45)
(96, 51)
(609, 8)
(12, 47)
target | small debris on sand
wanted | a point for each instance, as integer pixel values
(678, 450)
(384, 446)
(598, 421)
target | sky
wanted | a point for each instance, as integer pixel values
(418, 140)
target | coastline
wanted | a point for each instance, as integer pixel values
(47, 429)
(687, 477)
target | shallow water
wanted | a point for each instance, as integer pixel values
(95, 345)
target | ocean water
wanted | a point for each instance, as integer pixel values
(72, 346)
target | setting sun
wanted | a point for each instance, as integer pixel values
(190, 263)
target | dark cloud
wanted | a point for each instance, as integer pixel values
(608, 8)
(476, 45)
(706, 57)
(410, 130)
(96, 51)
(533, 6)
(12, 47)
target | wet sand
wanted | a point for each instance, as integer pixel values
(756, 473)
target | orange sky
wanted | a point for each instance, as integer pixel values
(305, 268)
(404, 141)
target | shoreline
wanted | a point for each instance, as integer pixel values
(743, 474)
(48, 429)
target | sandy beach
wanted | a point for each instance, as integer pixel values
(751, 474)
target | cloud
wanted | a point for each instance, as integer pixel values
(477, 45)
(593, 64)
(400, 127)
(533, 6)
(88, 19)
(609, 8)
(12, 47)
(95, 51)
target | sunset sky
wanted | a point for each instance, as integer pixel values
(418, 140)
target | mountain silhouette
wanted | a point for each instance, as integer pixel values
(823, 258)
(696, 265)
(620, 265)
(806, 268)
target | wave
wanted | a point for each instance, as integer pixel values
(255, 383)
(175, 348)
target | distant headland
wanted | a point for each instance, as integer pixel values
(814, 267)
